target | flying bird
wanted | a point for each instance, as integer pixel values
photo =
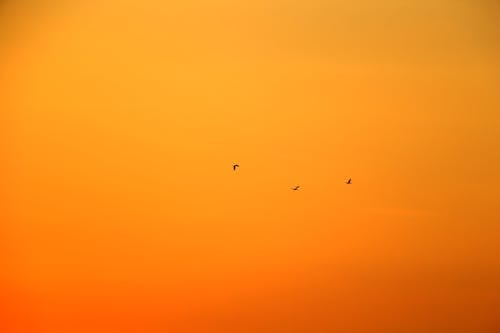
(349, 181)
(235, 166)
(296, 188)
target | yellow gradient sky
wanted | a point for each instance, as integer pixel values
(119, 124)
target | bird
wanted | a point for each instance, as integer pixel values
(296, 188)
(235, 166)
(349, 181)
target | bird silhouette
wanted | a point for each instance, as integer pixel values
(235, 166)
(349, 181)
(296, 188)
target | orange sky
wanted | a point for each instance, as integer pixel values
(119, 124)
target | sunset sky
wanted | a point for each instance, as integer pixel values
(120, 121)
